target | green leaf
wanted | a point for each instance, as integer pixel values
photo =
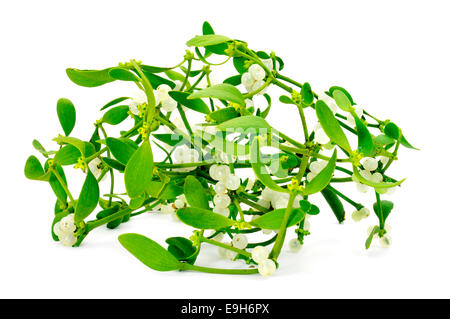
(392, 131)
(33, 170)
(112, 163)
(224, 114)
(234, 80)
(314, 210)
(123, 75)
(269, 104)
(121, 150)
(373, 184)
(162, 191)
(116, 115)
(334, 88)
(221, 91)
(386, 208)
(383, 140)
(239, 64)
(38, 146)
(149, 252)
(322, 179)
(196, 104)
(286, 99)
(88, 199)
(206, 40)
(274, 219)
(89, 78)
(203, 219)
(195, 193)
(139, 170)
(154, 69)
(405, 143)
(375, 231)
(66, 114)
(342, 101)
(182, 248)
(307, 94)
(365, 141)
(67, 155)
(331, 126)
(260, 169)
(335, 203)
(114, 102)
(245, 123)
(85, 148)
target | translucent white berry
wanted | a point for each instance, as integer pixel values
(366, 174)
(223, 172)
(247, 80)
(233, 182)
(169, 104)
(267, 231)
(257, 72)
(220, 188)
(365, 212)
(385, 241)
(221, 200)
(280, 202)
(167, 209)
(231, 254)
(377, 177)
(240, 241)
(267, 267)
(383, 159)
(222, 211)
(356, 216)
(370, 163)
(96, 166)
(213, 171)
(267, 194)
(260, 253)
(67, 239)
(67, 224)
(179, 203)
(57, 230)
(264, 203)
(294, 245)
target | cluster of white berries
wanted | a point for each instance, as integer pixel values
(65, 230)
(170, 209)
(370, 164)
(384, 241)
(254, 78)
(359, 214)
(266, 266)
(182, 155)
(276, 199)
(162, 97)
(225, 182)
(240, 241)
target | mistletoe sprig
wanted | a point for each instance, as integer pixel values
(198, 178)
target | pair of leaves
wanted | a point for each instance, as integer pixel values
(116, 115)
(34, 170)
(386, 208)
(182, 248)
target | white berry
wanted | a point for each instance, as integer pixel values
(240, 241)
(259, 254)
(267, 267)
(295, 245)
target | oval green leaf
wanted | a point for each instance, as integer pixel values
(331, 126)
(365, 141)
(139, 170)
(221, 91)
(322, 179)
(66, 115)
(196, 104)
(149, 252)
(206, 40)
(274, 219)
(195, 193)
(89, 78)
(203, 219)
(88, 199)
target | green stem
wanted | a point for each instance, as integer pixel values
(97, 223)
(63, 184)
(358, 206)
(219, 244)
(282, 232)
(187, 266)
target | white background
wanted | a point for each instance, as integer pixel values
(393, 56)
